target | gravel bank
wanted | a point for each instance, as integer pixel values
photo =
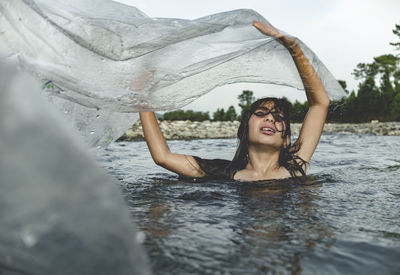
(227, 129)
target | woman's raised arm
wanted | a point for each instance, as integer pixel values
(159, 150)
(317, 97)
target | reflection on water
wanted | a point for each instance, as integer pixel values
(343, 219)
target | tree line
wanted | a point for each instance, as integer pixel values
(377, 96)
(245, 100)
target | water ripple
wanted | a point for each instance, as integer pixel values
(343, 219)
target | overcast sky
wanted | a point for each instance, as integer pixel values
(342, 33)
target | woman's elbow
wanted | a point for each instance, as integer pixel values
(325, 99)
(325, 102)
(160, 160)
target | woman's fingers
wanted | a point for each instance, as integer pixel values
(271, 31)
(267, 30)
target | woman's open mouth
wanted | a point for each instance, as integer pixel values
(267, 130)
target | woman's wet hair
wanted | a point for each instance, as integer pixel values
(287, 157)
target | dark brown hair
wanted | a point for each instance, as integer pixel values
(287, 157)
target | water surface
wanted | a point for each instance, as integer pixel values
(341, 219)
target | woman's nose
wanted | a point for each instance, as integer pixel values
(269, 117)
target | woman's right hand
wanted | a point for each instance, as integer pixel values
(181, 164)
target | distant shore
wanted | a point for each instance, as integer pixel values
(174, 130)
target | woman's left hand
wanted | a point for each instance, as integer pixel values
(287, 41)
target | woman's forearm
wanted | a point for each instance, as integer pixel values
(313, 86)
(154, 138)
(315, 91)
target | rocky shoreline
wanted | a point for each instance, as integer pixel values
(174, 130)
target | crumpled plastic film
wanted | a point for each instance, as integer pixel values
(59, 212)
(100, 60)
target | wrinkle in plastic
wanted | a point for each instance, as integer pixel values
(101, 65)
(59, 212)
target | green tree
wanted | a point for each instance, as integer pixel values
(219, 114)
(387, 68)
(186, 115)
(299, 111)
(386, 98)
(349, 112)
(174, 115)
(377, 101)
(367, 101)
(396, 31)
(396, 108)
(230, 114)
(245, 100)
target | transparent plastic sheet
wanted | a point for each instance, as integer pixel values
(59, 212)
(102, 61)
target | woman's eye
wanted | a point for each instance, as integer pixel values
(259, 114)
(278, 118)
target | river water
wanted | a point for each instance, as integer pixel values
(343, 218)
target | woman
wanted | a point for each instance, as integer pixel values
(264, 151)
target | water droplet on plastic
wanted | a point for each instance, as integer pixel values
(28, 238)
(98, 116)
(140, 237)
(92, 132)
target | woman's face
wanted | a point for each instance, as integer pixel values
(267, 125)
